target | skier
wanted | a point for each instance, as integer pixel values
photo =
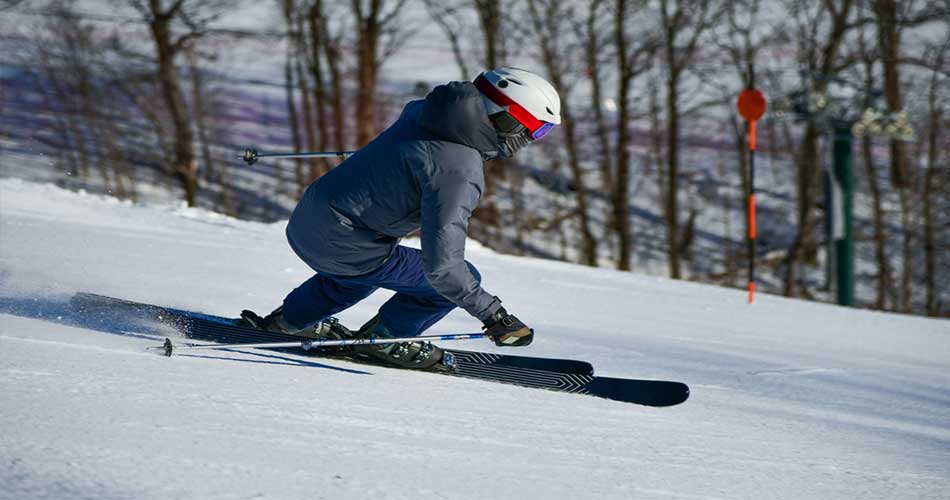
(424, 171)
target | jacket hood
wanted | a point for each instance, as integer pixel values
(456, 112)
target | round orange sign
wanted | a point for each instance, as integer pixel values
(751, 104)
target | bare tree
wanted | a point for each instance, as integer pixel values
(330, 44)
(173, 27)
(290, 90)
(79, 86)
(596, 36)
(379, 34)
(889, 42)
(594, 51)
(550, 21)
(820, 30)
(869, 58)
(316, 58)
(683, 23)
(448, 15)
(937, 120)
(892, 18)
(633, 58)
(303, 81)
(201, 108)
(490, 17)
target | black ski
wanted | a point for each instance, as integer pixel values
(554, 374)
(206, 327)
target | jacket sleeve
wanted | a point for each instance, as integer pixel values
(448, 200)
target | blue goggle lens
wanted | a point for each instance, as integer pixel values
(542, 131)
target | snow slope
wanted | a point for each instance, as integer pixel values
(789, 399)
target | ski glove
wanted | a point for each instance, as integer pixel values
(506, 330)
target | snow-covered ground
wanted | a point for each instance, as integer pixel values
(789, 399)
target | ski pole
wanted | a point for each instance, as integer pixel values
(306, 345)
(251, 156)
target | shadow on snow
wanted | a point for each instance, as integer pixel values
(59, 311)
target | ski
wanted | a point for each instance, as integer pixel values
(210, 328)
(561, 375)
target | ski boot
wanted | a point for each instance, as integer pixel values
(328, 329)
(413, 355)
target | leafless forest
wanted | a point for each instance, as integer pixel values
(647, 173)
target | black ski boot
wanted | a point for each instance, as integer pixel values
(275, 322)
(414, 355)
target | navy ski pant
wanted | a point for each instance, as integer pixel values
(415, 307)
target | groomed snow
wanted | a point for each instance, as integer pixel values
(789, 399)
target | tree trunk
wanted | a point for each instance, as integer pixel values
(930, 245)
(880, 238)
(823, 59)
(657, 129)
(672, 195)
(907, 250)
(319, 86)
(930, 253)
(550, 20)
(333, 57)
(366, 66)
(692, 19)
(808, 175)
(592, 50)
(588, 242)
(306, 106)
(292, 118)
(200, 114)
(889, 45)
(880, 251)
(488, 215)
(621, 188)
(489, 17)
(306, 109)
(185, 166)
(889, 42)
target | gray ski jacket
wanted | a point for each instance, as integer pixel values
(426, 170)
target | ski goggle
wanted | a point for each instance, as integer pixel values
(542, 131)
(514, 112)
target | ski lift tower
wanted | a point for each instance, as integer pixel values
(845, 110)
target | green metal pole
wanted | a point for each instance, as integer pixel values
(844, 245)
(829, 189)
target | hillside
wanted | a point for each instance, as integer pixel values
(790, 399)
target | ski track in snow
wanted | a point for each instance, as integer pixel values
(789, 399)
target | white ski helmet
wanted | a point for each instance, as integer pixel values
(527, 97)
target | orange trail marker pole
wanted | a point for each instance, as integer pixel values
(751, 104)
(751, 211)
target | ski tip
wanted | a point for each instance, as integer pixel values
(679, 394)
(673, 393)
